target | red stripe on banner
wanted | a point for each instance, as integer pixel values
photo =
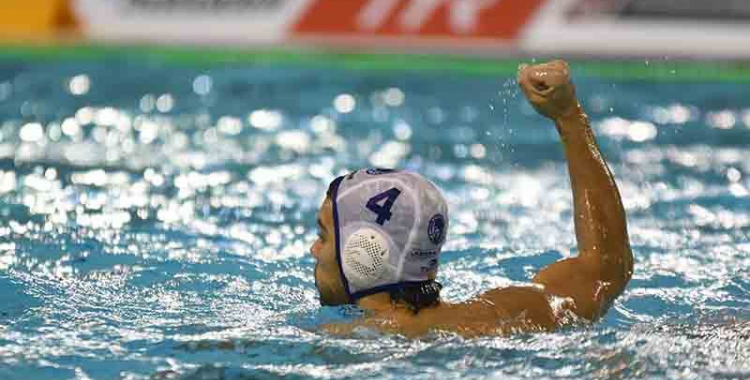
(494, 19)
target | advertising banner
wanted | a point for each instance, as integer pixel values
(451, 21)
(718, 28)
(35, 19)
(190, 21)
(715, 10)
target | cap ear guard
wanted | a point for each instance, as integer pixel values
(365, 258)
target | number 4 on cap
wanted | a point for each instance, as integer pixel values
(383, 210)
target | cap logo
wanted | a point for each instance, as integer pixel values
(424, 254)
(436, 229)
(376, 171)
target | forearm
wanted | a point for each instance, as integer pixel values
(604, 264)
(599, 216)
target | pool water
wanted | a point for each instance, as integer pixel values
(156, 219)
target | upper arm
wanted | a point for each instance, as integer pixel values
(521, 308)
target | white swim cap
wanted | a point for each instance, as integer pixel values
(390, 226)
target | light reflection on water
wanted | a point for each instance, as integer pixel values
(155, 224)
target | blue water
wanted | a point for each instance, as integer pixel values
(156, 220)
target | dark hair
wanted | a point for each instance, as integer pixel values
(418, 296)
(334, 184)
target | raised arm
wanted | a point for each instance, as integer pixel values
(604, 264)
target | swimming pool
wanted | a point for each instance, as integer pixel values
(156, 216)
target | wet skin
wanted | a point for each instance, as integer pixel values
(576, 289)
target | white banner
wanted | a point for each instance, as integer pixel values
(190, 21)
(559, 29)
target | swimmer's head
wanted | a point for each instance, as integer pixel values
(379, 231)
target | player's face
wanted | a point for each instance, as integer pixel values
(327, 273)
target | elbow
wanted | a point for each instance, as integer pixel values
(625, 273)
(616, 268)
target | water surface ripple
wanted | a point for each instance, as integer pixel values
(156, 220)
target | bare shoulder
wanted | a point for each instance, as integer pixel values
(499, 311)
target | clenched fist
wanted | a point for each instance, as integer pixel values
(547, 87)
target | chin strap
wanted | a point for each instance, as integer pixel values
(417, 296)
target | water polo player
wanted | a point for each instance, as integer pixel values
(381, 232)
